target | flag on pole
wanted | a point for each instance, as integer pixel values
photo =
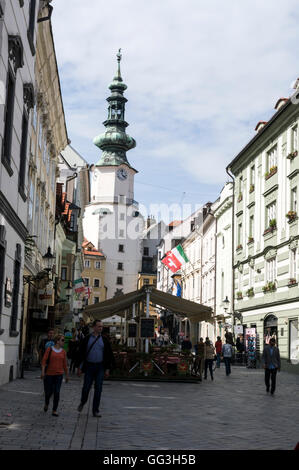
(87, 291)
(175, 258)
(79, 285)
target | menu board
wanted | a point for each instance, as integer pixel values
(147, 328)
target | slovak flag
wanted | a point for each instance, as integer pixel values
(175, 258)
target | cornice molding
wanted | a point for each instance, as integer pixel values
(294, 173)
(12, 218)
(268, 248)
(271, 190)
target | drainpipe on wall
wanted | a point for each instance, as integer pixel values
(228, 169)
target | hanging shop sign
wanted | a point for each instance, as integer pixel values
(46, 296)
(238, 329)
(8, 292)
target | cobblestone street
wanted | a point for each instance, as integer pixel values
(230, 413)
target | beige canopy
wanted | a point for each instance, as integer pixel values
(194, 311)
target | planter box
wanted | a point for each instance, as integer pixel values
(271, 173)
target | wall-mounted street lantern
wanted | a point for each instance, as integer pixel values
(45, 273)
(49, 260)
(226, 302)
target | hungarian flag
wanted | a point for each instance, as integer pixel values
(79, 285)
(175, 258)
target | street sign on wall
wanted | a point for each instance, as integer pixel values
(147, 328)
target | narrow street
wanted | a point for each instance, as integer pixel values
(230, 413)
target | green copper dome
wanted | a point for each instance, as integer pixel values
(114, 141)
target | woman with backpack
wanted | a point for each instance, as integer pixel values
(54, 364)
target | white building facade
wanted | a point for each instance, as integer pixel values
(17, 59)
(223, 214)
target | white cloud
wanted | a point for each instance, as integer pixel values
(200, 74)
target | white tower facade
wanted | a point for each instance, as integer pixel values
(112, 221)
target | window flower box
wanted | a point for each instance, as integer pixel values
(239, 247)
(250, 240)
(271, 172)
(269, 287)
(292, 155)
(292, 282)
(250, 292)
(272, 226)
(240, 197)
(291, 216)
(251, 189)
(239, 295)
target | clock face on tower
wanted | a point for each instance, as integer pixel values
(122, 174)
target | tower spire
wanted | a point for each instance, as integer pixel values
(115, 142)
(118, 55)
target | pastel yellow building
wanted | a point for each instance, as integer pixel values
(94, 273)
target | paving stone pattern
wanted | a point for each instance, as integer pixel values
(232, 412)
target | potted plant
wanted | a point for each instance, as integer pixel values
(239, 247)
(240, 197)
(272, 224)
(292, 155)
(239, 295)
(292, 281)
(250, 292)
(251, 189)
(269, 287)
(250, 240)
(291, 216)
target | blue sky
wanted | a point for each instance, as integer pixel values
(200, 75)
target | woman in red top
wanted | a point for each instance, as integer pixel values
(218, 346)
(54, 363)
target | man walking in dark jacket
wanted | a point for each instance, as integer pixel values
(271, 360)
(96, 360)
